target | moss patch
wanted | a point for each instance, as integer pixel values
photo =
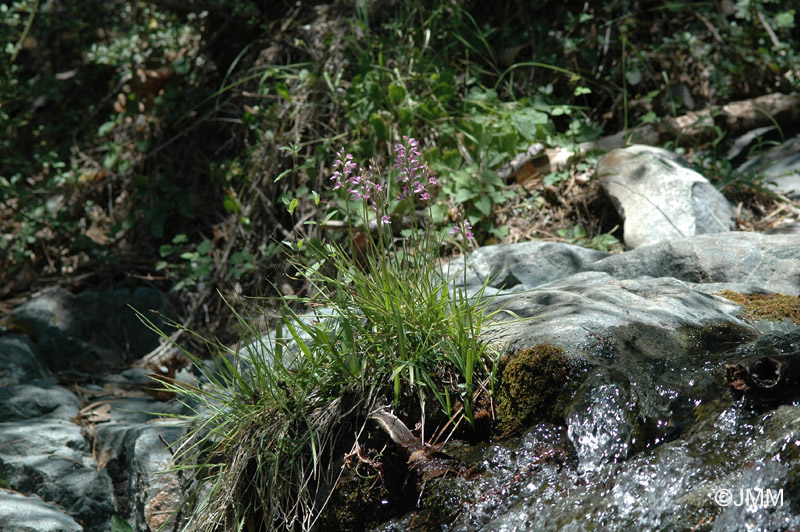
(772, 307)
(530, 383)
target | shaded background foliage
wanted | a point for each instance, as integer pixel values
(164, 141)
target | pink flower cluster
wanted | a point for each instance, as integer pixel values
(414, 174)
(361, 185)
(414, 177)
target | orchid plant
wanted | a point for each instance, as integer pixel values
(396, 316)
(269, 416)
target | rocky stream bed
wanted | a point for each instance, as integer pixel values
(618, 391)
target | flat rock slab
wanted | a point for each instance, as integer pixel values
(660, 197)
(576, 311)
(751, 261)
(745, 261)
(50, 458)
(25, 401)
(23, 513)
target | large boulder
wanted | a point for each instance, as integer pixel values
(48, 456)
(91, 331)
(19, 360)
(660, 197)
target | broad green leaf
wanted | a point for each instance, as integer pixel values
(397, 92)
(204, 247)
(231, 204)
(484, 205)
(634, 76)
(464, 195)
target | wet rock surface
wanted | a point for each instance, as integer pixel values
(653, 435)
(80, 439)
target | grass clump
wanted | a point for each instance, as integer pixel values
(275, 418)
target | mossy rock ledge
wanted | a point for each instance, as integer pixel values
(532, 386)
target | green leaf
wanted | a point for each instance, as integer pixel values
(283, 174)
(451, 158)
(579, 91)
(204, 247)
(180, 239)
(650, 116)
(438, 213)
(106, 128)
(463, 195)
(484, 205)
(283, 90)
(166, 250)
(120, 525)
(476, 94)
(292, 206)
(397, 92)
(785, 19)
(379, 126)
(111, 158)
(634, 76)
(231, 204)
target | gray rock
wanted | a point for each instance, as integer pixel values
(648, 307)
(159, 490)
(778, 168)
(750, 261)
(526, 264)
(22, 513)
(660, 197)
(575, 311)
(51, 458)
(93, 330)
(741, 147)
(25, 401)
(649, 430)
(19, 360)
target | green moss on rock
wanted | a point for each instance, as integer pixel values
(530, 382)
(772, 307)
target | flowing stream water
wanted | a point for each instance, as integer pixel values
(646, 445)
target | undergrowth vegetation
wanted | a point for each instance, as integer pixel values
(191, 145)
(159, 143)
